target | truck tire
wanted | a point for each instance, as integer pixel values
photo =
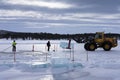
(92, 46)
(86, 46)
(107, 46)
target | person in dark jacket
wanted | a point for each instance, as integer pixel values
(48, 45)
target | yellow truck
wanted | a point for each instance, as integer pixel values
(100, 41)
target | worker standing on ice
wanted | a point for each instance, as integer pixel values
(48, 45)
(14, 46)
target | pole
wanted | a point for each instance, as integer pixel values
(87, 56)
(46, 56)
(33, 48)
(73, 53)
(45, 48)
(14, 56)
(54, 48)
(70, 54)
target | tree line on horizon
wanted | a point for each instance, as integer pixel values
(49, 36)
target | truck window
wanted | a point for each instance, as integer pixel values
(98, 36)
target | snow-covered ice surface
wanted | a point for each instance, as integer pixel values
(59, 64)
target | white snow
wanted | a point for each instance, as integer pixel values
(58, 64)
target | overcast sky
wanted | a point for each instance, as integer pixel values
(60, 16)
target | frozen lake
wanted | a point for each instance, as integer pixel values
(59, 63)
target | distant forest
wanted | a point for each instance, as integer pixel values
(49, 36)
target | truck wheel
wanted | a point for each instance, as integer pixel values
(107, 46)
(92, 47)
(86, 46)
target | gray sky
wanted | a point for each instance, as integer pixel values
(60, 16)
